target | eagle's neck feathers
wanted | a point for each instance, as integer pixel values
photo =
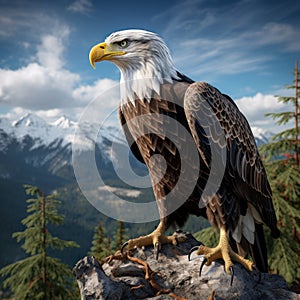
(142, 75)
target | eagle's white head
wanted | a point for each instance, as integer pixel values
(143, 59)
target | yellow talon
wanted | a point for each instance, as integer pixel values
(156, 238)
(223, 251)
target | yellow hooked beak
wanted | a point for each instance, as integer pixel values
(101, 52)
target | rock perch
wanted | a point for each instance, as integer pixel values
(139, 275)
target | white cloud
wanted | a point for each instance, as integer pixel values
(254, 108)
(45, 85)
(99, 101)
(37, 87)
(50, 114)
(81, 6)
(50, 50)
(100, 88)
(15, 113)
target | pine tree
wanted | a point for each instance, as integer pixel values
(208, 236)
(283, 168)
(120, 233)
(120, 237)
(100, 244)
(40, 276)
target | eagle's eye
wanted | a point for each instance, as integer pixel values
(123, 43)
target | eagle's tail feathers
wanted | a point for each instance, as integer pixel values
(259, 249)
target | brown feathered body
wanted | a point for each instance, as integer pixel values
(244, 186)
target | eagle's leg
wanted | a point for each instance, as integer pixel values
(224, 251)
(156, 238)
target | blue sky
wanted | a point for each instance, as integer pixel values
(246, 49)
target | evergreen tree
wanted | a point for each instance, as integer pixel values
(100, 244)
(120, 233)
(283, 168)
(40, 276)
(208, 236)
(120, 237)
(108, 244)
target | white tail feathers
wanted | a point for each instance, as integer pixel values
(246, 225)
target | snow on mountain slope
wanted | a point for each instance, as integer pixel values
(62, 132)
(30, 141)
(262, 136)
(5, 126)
(64, 122)
(37, 128)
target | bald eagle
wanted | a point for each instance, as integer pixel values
(154, 91)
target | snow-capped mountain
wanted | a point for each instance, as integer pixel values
(37, 129)
(38, 143)
(262, 136)
(35, 142)
(64, 122)
(62, 130)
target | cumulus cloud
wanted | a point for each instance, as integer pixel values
(47, 87)
(50, 50)
(43, 83)
(15, 113)
(254, 108)
(35, 87)
(99, 101)
(100, 88)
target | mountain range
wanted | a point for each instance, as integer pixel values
(59, 135)
(34, 151)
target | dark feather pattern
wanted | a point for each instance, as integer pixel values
(244, 181)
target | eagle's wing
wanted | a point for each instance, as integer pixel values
(208, 111)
